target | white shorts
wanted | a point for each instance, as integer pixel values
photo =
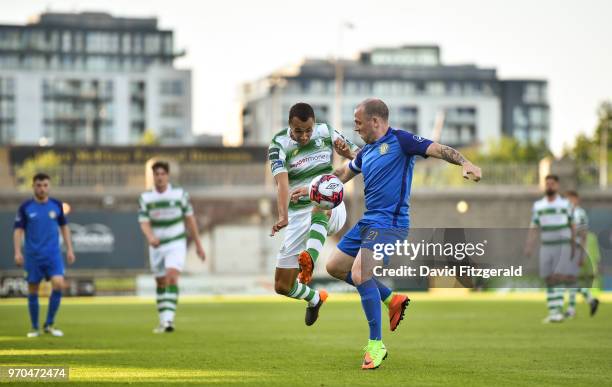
(296, 234)
(168, 256)
(555, 259)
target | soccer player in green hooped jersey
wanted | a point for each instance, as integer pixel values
(581, 221)
(163, 214)
(552, 216)
(297, 154)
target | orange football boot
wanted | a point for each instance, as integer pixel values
(306, 267)
(397, 307)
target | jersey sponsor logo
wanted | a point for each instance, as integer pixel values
(384, 148)
(52, 214)
(418, 138)
(311, 159)
(32, 215)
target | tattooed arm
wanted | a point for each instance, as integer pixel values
(453, 156)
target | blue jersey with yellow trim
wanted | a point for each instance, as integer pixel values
(40, 222)
(387, 167)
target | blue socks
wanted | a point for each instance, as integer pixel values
(33, 309)
(54, 303)
(349, 279)
(370, 300)
(384, 291)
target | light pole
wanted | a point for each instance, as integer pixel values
(605, 115)
(339, 75)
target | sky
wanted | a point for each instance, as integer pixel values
(229, 42)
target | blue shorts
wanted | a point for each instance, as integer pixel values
(39, 269)
(365, 235)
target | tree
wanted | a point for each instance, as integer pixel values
(48, 162)
(586, 149)
(508, 150)
(149, 138)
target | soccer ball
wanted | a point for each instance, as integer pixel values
(326, 191)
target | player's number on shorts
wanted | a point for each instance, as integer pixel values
(372, 235)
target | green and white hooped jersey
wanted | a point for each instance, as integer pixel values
(303, 163)
(554, 220)
(166, 211)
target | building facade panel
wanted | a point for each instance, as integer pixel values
(91, 78)
(477, 106)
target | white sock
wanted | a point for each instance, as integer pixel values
(315, 299)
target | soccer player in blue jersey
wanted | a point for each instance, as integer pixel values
(386, 162)
(41, 219)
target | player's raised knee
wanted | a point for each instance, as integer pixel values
(282, 288)
(333, 269)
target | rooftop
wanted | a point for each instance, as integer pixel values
(91, 20)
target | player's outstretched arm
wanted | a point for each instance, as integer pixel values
(344, 173)
(65, 230)
(453, 156)
(17, 238)
(282, 201)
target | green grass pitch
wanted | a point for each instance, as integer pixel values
(473, 341)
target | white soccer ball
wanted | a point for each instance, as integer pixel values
(326, 191)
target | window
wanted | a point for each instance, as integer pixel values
(137, 44)
(126, 43)
(454, 88)
(536, 116)
(9, 61)
(168, 47)
(7, 86)
(435, 88)
(471, 88)
(152, 44)
(35, 62)
(408, 112)
(317, 87)
(171, 87)
(382, 87)
(321, 113)
(66, 41)
(102, 42)
(7, 109)
(37, 40)
(170, 132)
(350, 87)
(78, 41)
(397, 88)
(521, 134)
(537, 135)
(292, 87)
(519, 117)
(171, 110)
(531, 93)
(9, 39)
